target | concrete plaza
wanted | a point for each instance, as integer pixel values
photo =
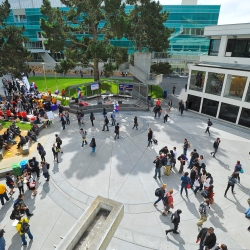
(123, 170)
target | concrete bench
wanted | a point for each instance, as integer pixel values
(26, 148)
(93, 96)
(40, 127)
(2, 153)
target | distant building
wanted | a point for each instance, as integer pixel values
(218, 85)
(186, 44)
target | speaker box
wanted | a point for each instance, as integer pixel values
(119, 102)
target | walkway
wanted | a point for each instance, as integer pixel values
(123, 170)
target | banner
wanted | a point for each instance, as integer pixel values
(125, 87)
(94, 86)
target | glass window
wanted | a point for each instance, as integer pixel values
(230, 45)
(214, 83)
(197, 80)
(245, 117)
(209, 107)
(23, 18)
(235, 86)
(214, 47)
(16, 20)
(194, 102)
(248, 95)
(228, 112)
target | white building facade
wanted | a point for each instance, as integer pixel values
(218, 85)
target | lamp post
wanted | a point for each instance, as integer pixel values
(55, 75)
(43, 63)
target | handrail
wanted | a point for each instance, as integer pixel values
(147, 76)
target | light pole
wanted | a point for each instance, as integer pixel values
(56, 75)
(43, 63)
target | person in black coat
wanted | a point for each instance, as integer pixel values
(150, 136)
(161, 193)
(135, 123)
(175, 218)
(207, 238)
(106, 122)
(216, 146)
(164, 150)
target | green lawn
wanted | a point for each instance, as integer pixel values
(22, 126)
(64, 82)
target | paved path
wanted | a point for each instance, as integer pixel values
(123, 170)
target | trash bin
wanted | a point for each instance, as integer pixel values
(165, 94)
(16, 169)
(23, 163)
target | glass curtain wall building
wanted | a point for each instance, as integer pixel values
(186, 43)
(219, 85)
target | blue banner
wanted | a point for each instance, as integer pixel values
(123, 87)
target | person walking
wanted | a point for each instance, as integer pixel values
(3, 194)
(207, 238)
(41, 151)
(194, 156)
(193, 174)
(232, 180)
(221, 247)
(175, 218)
(150, 136)
(63, 121)
(23, 228)
(58, 142)
(55, 151)
(170, 105)
(185, 180)
(135, 123)
(117, 131)
(67, 117)
(182, 160)
(23, 207)
(2, 240)
(158, 165)
(10, 183)
(31, 183)
(186, 87)
(237, 170)
(92, 118)
(45, 169)
(197, 184)
(182, 107)
(93, 146)
(203, 210)
(160, 193)
(104, 112)
(209, 124)
(113, 118)
(78, 117)
(185, 147)
(83, 135)
(168, 202)
(165, 117)
(106, 122)
(19, 183)
(174, 88)
(216, 146)
(82, 116)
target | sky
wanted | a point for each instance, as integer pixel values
(232, 11)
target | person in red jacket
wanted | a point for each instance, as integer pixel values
(169, 202)
(210, 195)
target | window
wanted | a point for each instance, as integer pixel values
(34, 45)
(197, 80)
(245, 117)
(39, 34)
(248, 95)
(23, 18)
(235, 86)
(194, 102)
(228, 112)
(230, 45)
(209, 107)
(214, 47)
(214, 83)
(16, 19)
(241, 48)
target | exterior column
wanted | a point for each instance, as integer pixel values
(223, 46)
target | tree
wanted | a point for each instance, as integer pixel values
(83, 33)
(13, 55)
(161, 68)
(146, 26)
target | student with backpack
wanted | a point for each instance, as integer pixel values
(237, 170)
(175, 218)
(23, 228)
(168, 202)
(209, 124)
(231, 182)
(160, 193)
(93, 146)
(58, 142)
(203, 210)
(216, 146)
(185, 180)
(106, 122)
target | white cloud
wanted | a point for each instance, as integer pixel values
(231, 11)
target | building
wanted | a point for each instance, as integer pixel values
(218, 85)
(186, 44)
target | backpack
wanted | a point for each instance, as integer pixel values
(59, 140)
(189, 145)
(210, 123)
(165, 200)
(204, 193)
(155, 141)
(25, 227)
(202, 208)
(231, 182)
(15, 202)
(12, 216)
(48, 165)
(107, 120)
(211, 180)
(158, 192)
